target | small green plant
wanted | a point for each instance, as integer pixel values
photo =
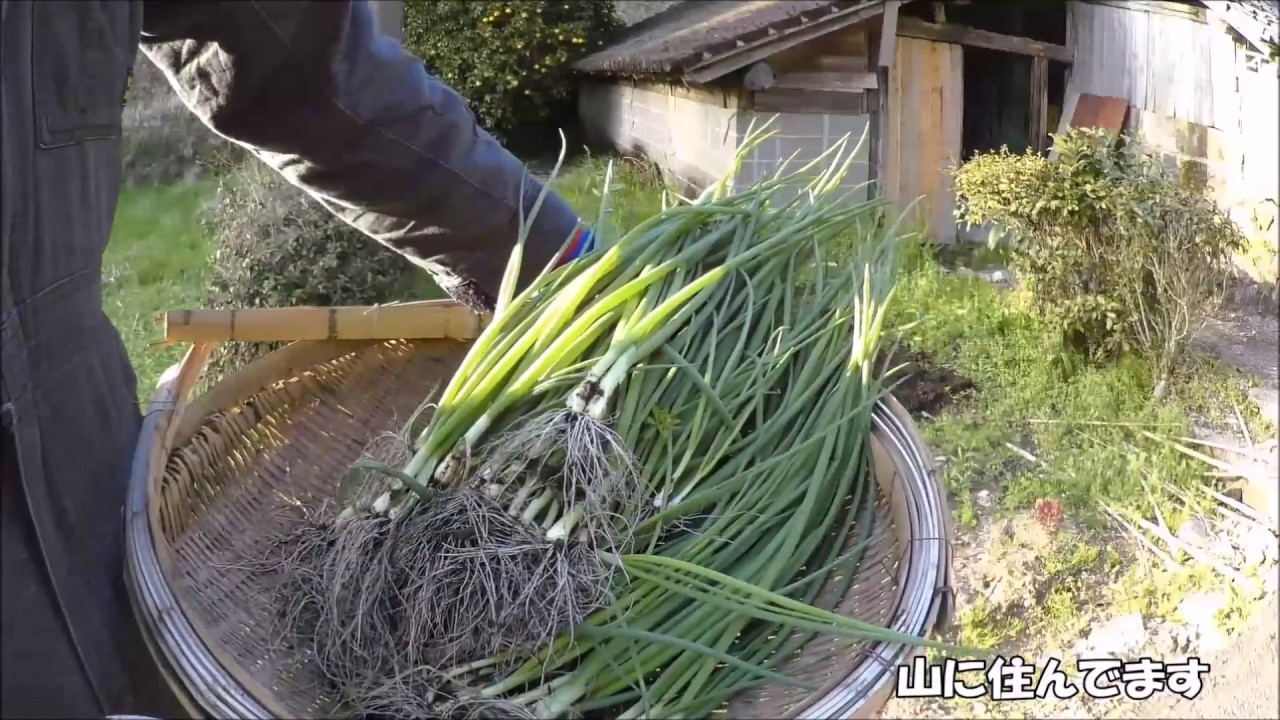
(1119, 254)
(509, 60)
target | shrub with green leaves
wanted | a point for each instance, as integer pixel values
(1118, 253)
(509, 60)
(276, 247)
(163, 141)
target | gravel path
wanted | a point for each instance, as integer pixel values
(1244, 679)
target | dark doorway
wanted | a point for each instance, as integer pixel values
(998, 101)
(999, 107)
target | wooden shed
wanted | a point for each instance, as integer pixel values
(934, 82)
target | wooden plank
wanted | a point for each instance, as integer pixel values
(1069, 103)
(927, 110)
(888, 136)
(1138, 64)
(925, 164)
(1226, 101)
(778, 99)
(908, 65)
(1039, 103)
(721, 97)
(1158, 62)
(952, 143)
(826, 81)
(840, 50)
(1160, 31)
(1190, 58)
(1085, 49)
(1070, 29)
(889, 32)
(875, 133)
(1203, 59)
(1160, 7)
(892, 127)
(961, 35)
(841, 63)
(752, 52)
(851, 42)
(1111, 46)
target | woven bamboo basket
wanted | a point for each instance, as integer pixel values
(218, 473)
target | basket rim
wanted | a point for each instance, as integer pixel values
(206, 685)
(164, 624)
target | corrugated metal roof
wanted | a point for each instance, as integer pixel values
(1266, 12)
(693, 31)
(1258, 21)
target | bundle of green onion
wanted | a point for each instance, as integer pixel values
(638, 481)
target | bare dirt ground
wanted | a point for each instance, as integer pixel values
(1245, 680)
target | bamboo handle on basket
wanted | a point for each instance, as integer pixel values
(181, 379)
(430, 319)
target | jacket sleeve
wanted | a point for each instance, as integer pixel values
(359, 123)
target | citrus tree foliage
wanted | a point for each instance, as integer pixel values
(509, 60)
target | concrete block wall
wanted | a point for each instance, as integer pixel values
(693, 140)
(696, 141)
(1238, 168)
(807, 136)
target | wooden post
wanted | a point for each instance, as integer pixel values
(875, 108)
(961, 35)
(889, 33)
(1039, 102)
(886, 47)
(388, 18)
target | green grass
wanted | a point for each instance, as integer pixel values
(1080, 426)
(154, 262)
(1080, 422)
(635, 193)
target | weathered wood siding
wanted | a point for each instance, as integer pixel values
(848, 44)
(1206, 103)
(830, 75)
(922, 131)
(1157, 61)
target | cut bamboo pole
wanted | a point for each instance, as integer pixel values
(430, 319)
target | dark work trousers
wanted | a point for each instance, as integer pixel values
(36, 642)
(41, 672)
(70, 645)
